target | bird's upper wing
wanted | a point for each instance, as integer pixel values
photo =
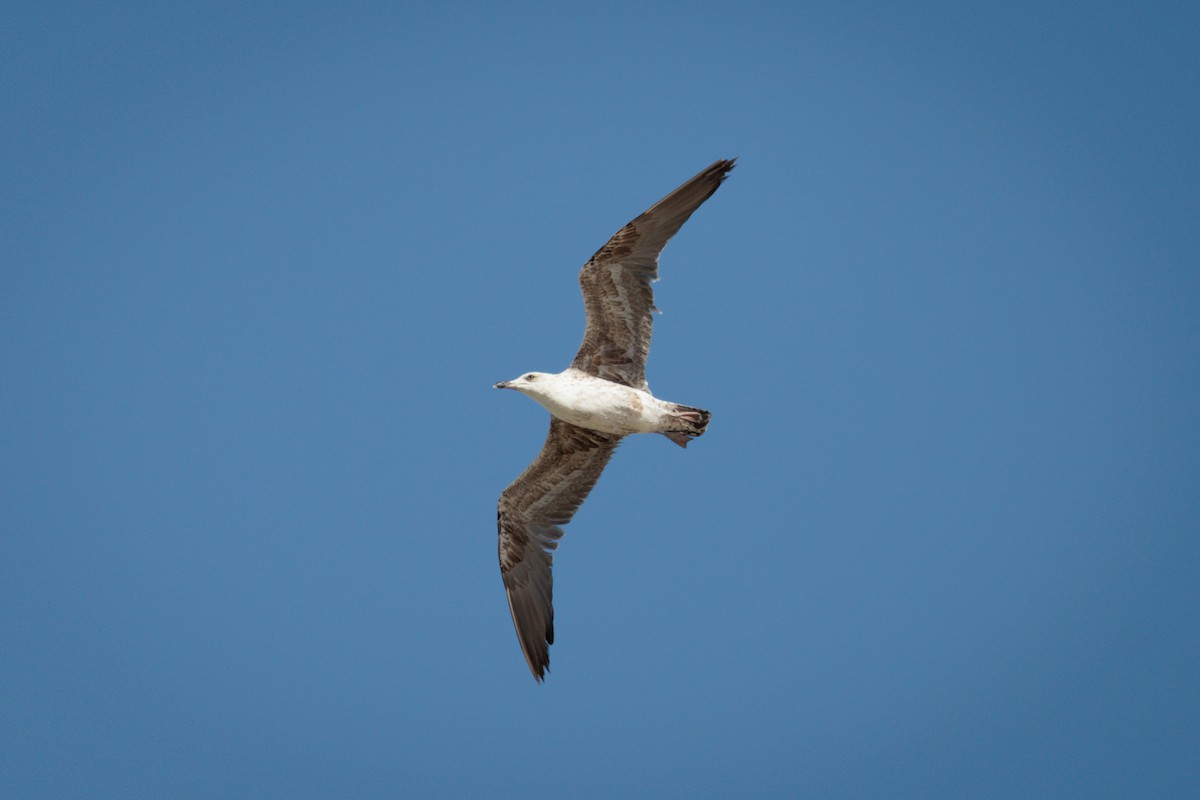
(530, 513)
(616, 283)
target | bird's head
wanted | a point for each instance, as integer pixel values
(526, 384)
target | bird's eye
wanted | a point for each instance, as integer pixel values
(531, 377)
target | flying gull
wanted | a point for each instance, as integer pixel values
(602, 397)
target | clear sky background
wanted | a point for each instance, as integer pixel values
(261, 264)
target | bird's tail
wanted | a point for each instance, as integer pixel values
(686, 423)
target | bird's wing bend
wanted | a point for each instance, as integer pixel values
(531, 510)
(616, 283)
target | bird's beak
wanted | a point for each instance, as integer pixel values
(502, 385)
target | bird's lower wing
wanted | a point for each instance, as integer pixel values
(529, 517)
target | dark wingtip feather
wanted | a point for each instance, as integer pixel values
(539, 664)
(539, 668)
(721, 168)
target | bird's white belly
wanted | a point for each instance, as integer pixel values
(605, 406)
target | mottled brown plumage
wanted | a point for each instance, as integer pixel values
(531, 510)
(616, 283)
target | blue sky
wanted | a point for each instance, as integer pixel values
(261, 264)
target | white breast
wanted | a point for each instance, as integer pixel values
(598, 404)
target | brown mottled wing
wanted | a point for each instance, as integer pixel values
(616, 283)
(529, 516)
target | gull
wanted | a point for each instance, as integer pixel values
(600, 398)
